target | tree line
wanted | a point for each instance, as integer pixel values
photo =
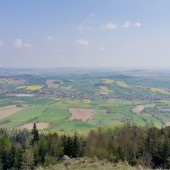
(146, 146)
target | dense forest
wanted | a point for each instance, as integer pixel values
(146, 146)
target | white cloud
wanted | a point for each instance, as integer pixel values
(127, 24)
(89, 19)
(86, 22)
(83, 42)
(1, 43)
(137, 24)
(18, 43)
(86, 28)
(110, 26)
(51, 38)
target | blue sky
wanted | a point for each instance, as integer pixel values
(84, 33)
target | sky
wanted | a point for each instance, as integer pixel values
(84, 33)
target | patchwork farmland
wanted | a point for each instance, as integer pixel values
(80, 101)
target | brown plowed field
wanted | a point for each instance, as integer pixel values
(81, 114)
(51, 84)
(13, 81)
(39, 125)
(17, 82)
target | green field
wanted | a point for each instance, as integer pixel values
(112, 96)
(72, 126)
(107, 113)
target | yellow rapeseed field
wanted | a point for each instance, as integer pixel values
(159, 90)
(122, 84)
(165, 101)
(108, 81)
(104, 88)
(86, 101)
(32, 88)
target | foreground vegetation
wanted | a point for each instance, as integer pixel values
(89, 164)
(134, 146)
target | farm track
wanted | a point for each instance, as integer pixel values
(139, 108)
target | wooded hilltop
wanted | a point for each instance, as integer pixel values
(146, 146)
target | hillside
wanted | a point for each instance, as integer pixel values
(126, 147)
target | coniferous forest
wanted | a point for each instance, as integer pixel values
(145, 146)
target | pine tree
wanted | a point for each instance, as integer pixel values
(17, 153)
(43, 148)
(68, 146)
(28, 160)
(76, 146)
(5, 152)
(35, 134)
(49, 160)
(55, 145)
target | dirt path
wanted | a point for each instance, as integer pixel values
(139, 108)
(81, 114)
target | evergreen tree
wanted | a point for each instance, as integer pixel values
(18, 158)
(76, 146)
(49, 160)
(5, 152)
(28, 160)
(68, 146)
(43, 149)
(55, 146)
(35, 150)
(35, 134)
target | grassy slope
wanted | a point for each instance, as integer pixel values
(89, 164)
